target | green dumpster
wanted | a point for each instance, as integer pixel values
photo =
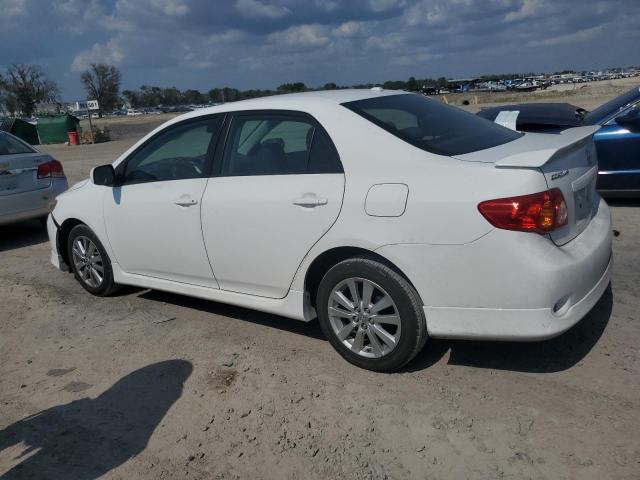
(21, 129)
(54, 128)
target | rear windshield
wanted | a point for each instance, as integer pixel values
(431, 125)
(10, 145)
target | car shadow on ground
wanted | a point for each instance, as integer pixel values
(622, 202)
(555, 355)
(87, 438)
(23, 234)
(309, 329)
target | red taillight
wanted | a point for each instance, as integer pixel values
(539, 212)
(52, 168)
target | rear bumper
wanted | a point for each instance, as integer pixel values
(509, 285)
(512, 324)
(32, 204)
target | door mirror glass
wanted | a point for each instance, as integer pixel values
(103, 175)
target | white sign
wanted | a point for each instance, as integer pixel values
(88, 105)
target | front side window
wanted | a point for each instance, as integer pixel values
(179, 153)
(629, 110)
(612, 107)
(432, 125)
(277, 144)
(11, 146)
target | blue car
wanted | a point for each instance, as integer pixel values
(617, 141)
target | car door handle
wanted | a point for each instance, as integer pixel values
(186, 202)
(310, 201)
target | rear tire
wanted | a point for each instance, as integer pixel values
(371, 314)
(89, 262)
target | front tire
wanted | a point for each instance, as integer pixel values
(371, 314)
(89, 261)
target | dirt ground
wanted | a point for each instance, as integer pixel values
(147, 384)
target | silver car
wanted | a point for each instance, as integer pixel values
(29, 180)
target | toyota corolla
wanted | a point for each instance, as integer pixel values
(388, 216)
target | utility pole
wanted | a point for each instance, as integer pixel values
(90, 124)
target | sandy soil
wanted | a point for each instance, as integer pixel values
(152, 385)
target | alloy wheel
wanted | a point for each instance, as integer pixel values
(364, 317)
(88, 261)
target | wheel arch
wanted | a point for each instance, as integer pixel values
(62, 237)
(329, 258)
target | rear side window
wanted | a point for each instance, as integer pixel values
(11, 146)
(277, 144)
(431, 125)
(323, 157)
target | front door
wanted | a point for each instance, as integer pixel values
(618, 156)
(278, 190)
(153, 217)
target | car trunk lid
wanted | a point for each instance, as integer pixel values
(19, 173)
(568, 162)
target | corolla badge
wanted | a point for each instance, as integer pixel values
(560, 174)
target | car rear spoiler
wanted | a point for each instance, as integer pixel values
(555, 144)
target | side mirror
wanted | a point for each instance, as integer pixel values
(630, 121)
(104, 175)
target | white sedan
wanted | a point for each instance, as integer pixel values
(388, 216)
(29, 181)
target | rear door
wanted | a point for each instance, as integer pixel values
(618, 156)
(278, 190)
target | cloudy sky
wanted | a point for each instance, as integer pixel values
(262, 43)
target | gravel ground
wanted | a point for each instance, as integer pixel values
(153, 385)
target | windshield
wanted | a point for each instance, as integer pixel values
(612, 106)
(10, 145)
(431, 125)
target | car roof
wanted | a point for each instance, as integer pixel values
(294, 101)
(310, 102)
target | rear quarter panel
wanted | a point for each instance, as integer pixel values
(443, 192)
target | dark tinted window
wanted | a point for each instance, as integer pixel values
(323, 157)
(277, 144)
(612, 106)
(178, 153)
(431, 125)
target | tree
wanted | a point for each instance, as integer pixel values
(102, 83)
(132, 98)
(193, 97)
(24, 86)
(292, 87)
